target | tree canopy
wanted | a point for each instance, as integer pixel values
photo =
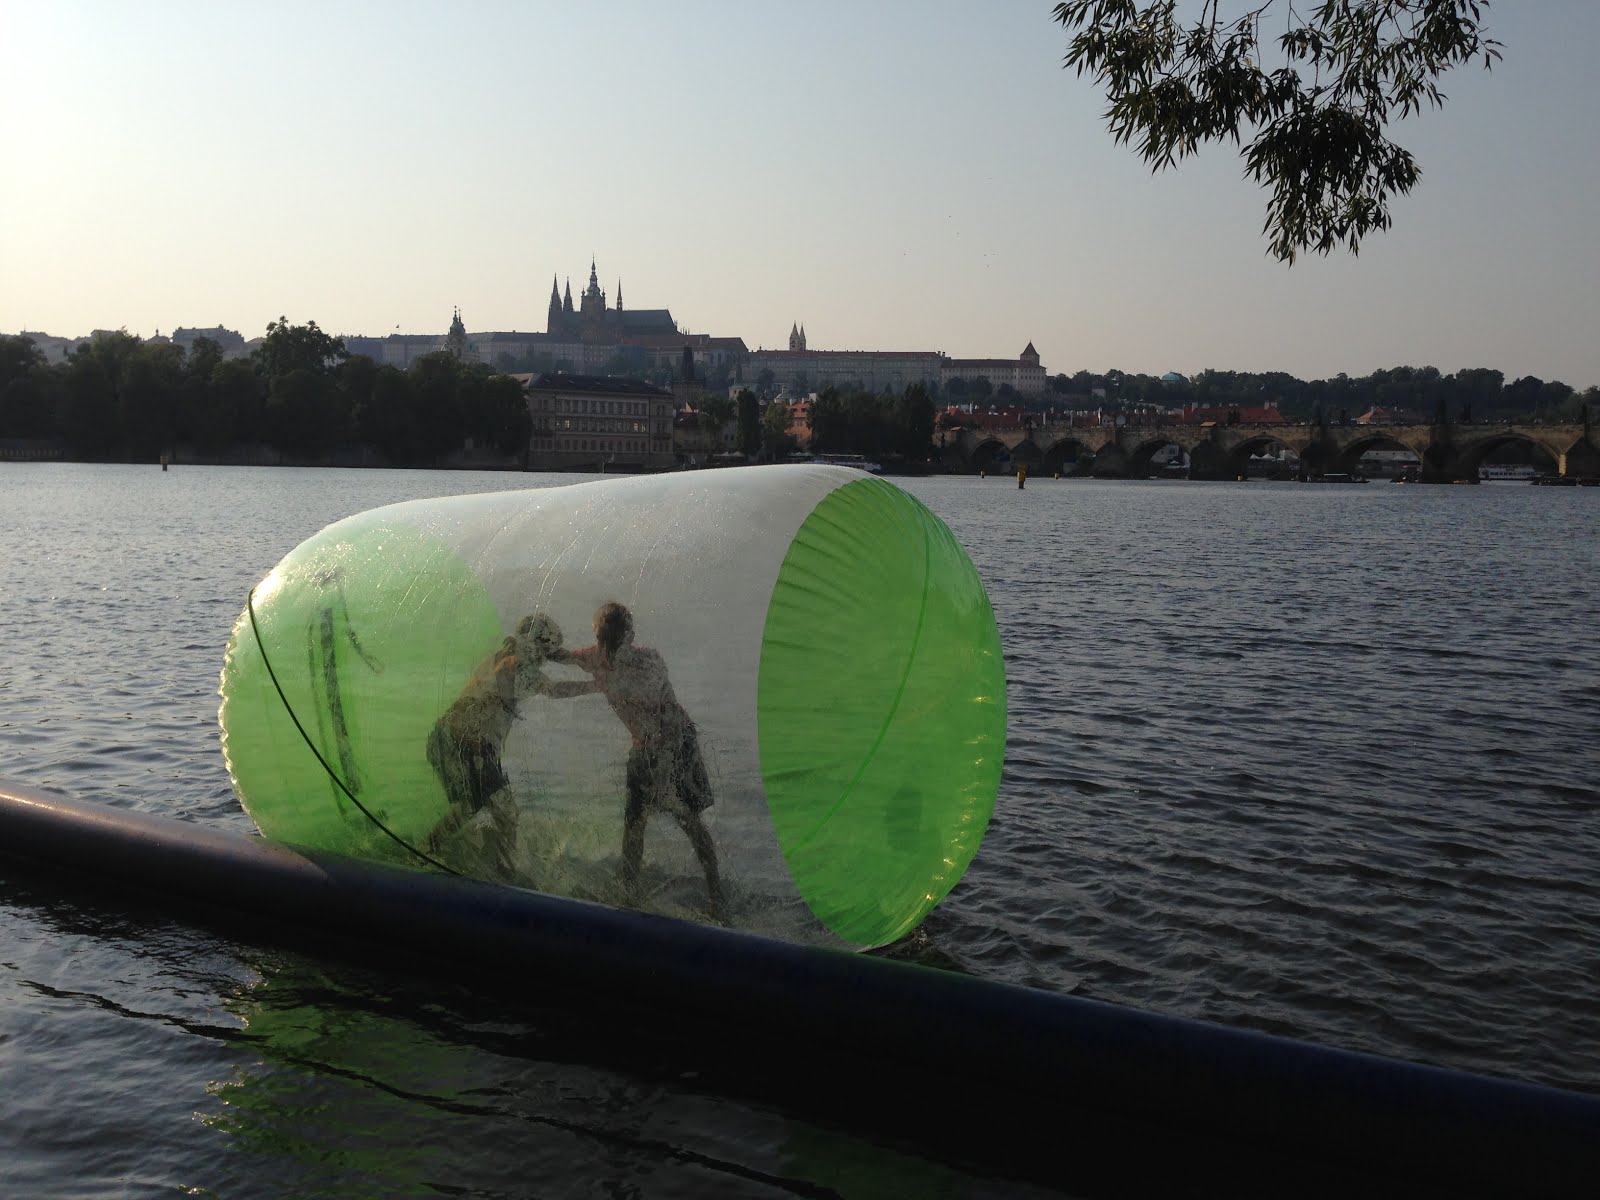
(299, 393)
(864, 423)
(1309, 107)
(1471, 394)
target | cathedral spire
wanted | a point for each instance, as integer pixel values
(552, 322)
(619, 293)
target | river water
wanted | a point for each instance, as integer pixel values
(1318, 760)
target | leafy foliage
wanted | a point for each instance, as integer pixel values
(716, 410)
(299, 393)
(1315, 120)
(876, 425)
(289, 348)
(1471, 394)
(27, 389)
(749, 417)
(775, 426)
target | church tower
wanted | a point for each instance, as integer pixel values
(456, 340)
(552, 322)
(593, 307)
(797, 337)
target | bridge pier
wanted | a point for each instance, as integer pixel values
(1582, 461)
(1207, 461)
(1441, 460)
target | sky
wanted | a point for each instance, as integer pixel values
(893, 175)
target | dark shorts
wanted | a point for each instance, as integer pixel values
(658, 770)
(469, 768)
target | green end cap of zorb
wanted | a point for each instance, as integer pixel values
(370, 630)
(882, 711)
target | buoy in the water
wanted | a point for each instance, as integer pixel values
(772, 696)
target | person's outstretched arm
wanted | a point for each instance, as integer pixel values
(565, 689)
(587, 659)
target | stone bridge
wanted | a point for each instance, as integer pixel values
(1447, 452)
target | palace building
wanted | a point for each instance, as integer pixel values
(598, 423)
(800, 369)
(1024, 373)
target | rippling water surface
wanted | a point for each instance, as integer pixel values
(1317, 760)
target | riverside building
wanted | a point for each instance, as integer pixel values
(598, 423)
(800, 369)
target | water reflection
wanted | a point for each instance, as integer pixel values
(358, 1086)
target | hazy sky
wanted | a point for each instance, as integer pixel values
(893, 175)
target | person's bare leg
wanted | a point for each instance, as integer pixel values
(706, 851)
(503, 817)
(446, 828)
(632, 852)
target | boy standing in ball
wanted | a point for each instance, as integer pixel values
(465, 743)
(666, 771)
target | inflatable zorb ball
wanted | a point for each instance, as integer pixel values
(789, 717)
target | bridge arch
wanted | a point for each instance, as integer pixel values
(1140, 453)
(1348, 458)
(1239, 457)
(1069, 456)
(1479, 452)
(988, 454)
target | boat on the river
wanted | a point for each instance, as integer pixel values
(1506, 474)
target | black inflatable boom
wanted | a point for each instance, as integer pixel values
(1090, 1097)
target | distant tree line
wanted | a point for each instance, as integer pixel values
(303, 396)
(878, 425)
(299, 393)
(875, 425)
(1474, 394)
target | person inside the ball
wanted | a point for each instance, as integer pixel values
(666, 771)
(465, 743)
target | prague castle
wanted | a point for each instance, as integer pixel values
(585, 338)
(593, 323)
(800, 369)
(594, 336)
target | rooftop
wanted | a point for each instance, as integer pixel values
(607, 385)
(804, 355)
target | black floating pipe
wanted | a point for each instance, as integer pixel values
(1084, 1095)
